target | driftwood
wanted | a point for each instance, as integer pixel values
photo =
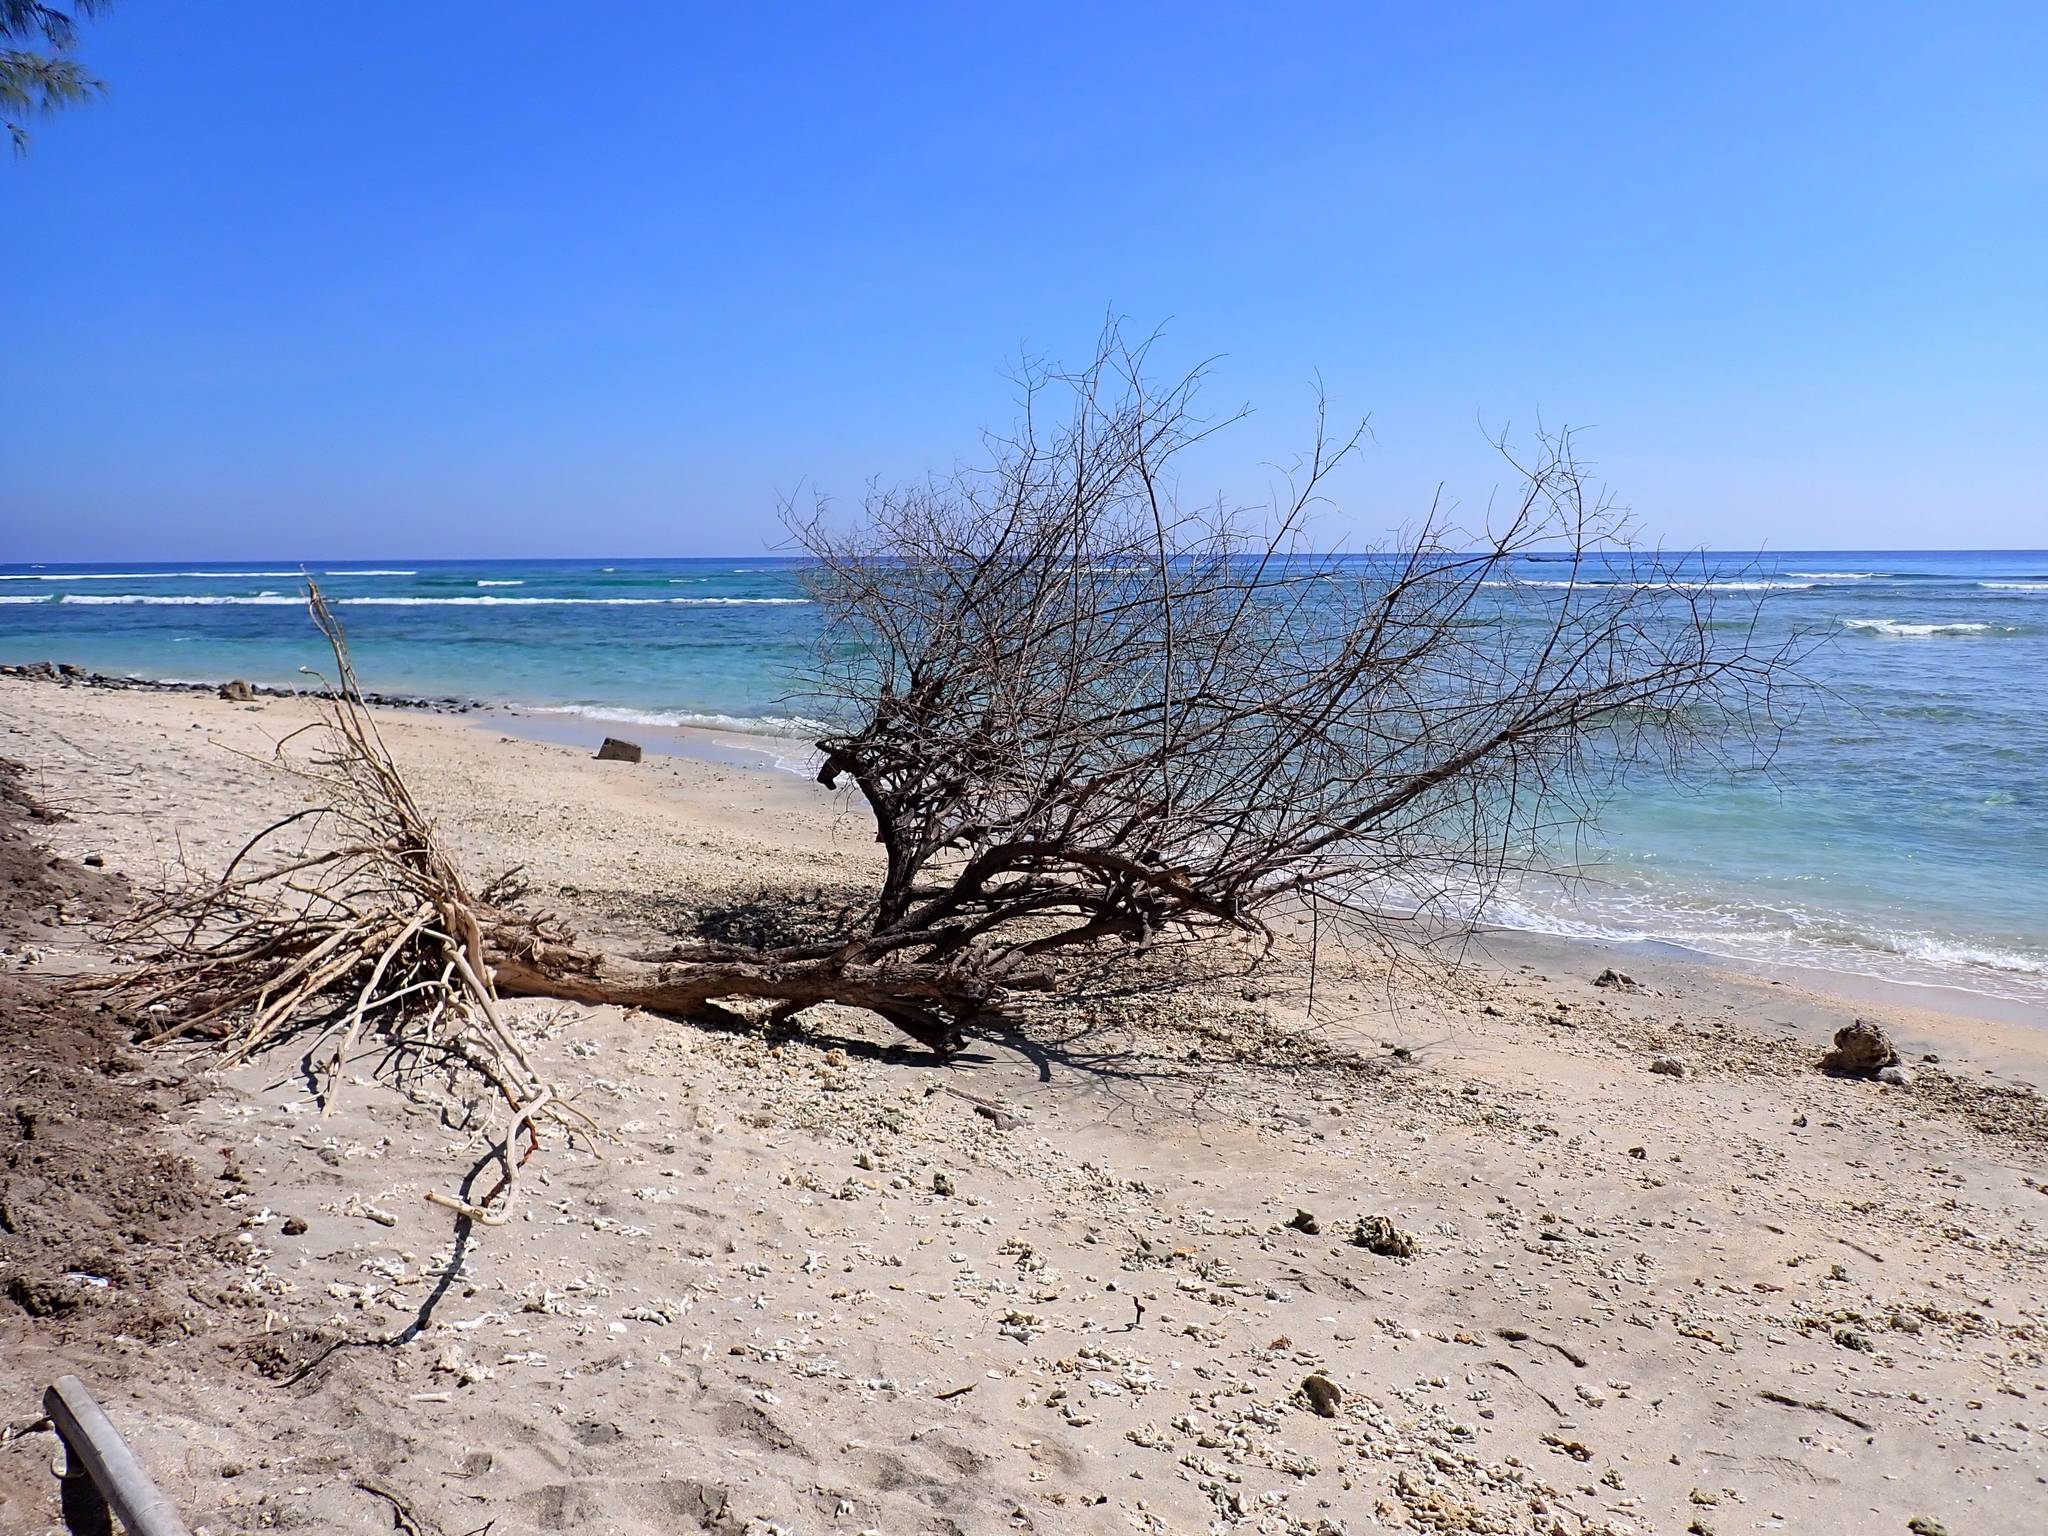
(101, 1474)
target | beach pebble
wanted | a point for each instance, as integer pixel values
(1305, 1221)
(1895, 1077)
(1667, 1066)
(237, 691)
(1323, 1394)
(1861, 1050)
(1620, 981)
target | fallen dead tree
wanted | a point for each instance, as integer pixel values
(1083, 717)
(1082, 714)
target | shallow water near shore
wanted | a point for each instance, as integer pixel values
(1902, 831)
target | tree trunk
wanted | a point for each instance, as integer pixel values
(932, 1004)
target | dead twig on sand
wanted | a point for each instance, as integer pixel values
(402, 1516)
(350, 917)
(1523, 1336)
(1811, 1405)
(1548, 1401)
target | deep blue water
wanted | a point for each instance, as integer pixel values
(1903, 833)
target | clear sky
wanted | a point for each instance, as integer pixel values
(504, 279)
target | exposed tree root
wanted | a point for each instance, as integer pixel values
(347, 917)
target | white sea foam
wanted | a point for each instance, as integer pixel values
(369, 573)
(272, 599)
(10, 598)
(498, 602)
(1839, 575)
(1644, 586)
(1952, 952)
(746, 725)
(1900, 630)
(2015, 586)
(130, 599)
(571, 602)
(501, 583)
(1773, 933)
(143, 575)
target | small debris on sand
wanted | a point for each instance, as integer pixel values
(1376, 1234)
(1323, 1394)
(1862, 1049)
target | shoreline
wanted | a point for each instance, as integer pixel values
(739, 748)
(734, 747)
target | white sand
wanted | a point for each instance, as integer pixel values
(744, 1308)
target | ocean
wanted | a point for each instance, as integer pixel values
(1902, 834)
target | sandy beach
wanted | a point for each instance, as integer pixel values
(818, 1282)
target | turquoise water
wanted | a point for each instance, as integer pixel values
(1903, 832)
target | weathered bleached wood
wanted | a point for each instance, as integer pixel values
(98, 1458)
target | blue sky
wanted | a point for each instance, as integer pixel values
(466, 279)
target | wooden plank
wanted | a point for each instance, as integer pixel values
(96, 1450)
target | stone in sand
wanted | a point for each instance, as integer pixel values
(1002, 1119)
(1667, 1066)
(1305, 1221)
(237, 691)
(617, 751)
(1376, 1234)
(1861, 1050)
(1323, 1394)
(1619, 980)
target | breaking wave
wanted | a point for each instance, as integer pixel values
(747, 725)
(1898, 629)
(144, 575)
(273, 600)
